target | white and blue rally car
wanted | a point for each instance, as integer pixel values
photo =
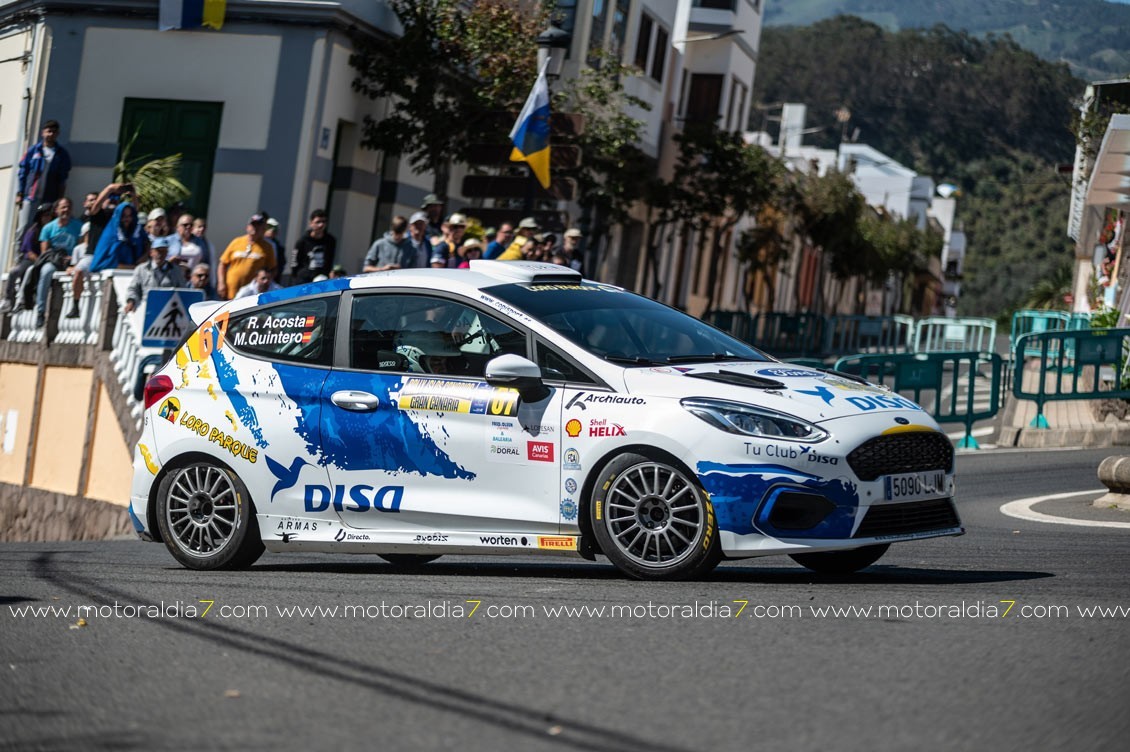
(518, 408)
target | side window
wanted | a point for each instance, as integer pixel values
(300, 331)
(557, 367)
(421, 334)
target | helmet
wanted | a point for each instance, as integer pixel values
(426, 351)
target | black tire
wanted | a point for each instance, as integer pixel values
(409, 560)
(207, 519)
(653, 520)
(842, 562)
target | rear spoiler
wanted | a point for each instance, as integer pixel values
(201, 312)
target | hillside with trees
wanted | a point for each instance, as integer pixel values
(1089, 35)
(984, 114)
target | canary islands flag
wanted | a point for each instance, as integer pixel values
(191, 14)
(531, 133)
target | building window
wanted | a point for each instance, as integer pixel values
(651, 46)
(704, 98)
(619, 27)
(643, 41)
(659, 60)
(716, 4)
(161, 127)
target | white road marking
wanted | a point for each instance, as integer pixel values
(1022, 509)
(986, 431)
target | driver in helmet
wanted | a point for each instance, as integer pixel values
(430, 352)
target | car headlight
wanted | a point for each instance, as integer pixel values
(748, 420)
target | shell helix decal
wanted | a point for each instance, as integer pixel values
(737, 491)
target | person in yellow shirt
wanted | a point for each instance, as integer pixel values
(527, 228)
(244, 257)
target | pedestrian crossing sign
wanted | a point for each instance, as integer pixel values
(166, 316)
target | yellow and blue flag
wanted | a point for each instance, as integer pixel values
(530, 134)
(191, 14)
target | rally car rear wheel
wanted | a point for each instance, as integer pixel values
(206, 518)
(653, 521)
(841, 562)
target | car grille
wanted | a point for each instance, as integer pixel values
(911, 517)
(902, 453)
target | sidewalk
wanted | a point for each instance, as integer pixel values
(1071, 423)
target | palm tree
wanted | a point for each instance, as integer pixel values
(155, 182)
(1050, 293)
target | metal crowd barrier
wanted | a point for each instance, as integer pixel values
(738, 323)
(939, 334)
(1072, 363)
(1033, 322)
(850, 335)
(790, 335)
(916, 374)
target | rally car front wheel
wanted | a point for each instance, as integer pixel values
(653, 521)
(206, 518)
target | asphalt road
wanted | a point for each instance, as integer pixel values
(924, 676)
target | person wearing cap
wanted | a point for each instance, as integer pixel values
(392, 250)
(433, 208)
(571, 248)
(527, 228)
(418, 239)
(502, 239)
(472, 249)
(43, 172)
(314, 252)
(155, 273)
(244, 257)
(79, 268)
(445, 254)
(271, 235)
(157, 223)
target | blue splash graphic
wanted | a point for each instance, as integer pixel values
(385, 439)
(229, 382)
(737, 493)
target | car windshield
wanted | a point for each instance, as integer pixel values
(623, 327)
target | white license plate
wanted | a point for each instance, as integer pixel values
(911, 486)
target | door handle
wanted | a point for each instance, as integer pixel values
(358, 402)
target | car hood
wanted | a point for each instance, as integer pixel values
(806, 393)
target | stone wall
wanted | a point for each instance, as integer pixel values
(32, 514)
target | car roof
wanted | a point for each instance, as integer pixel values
(482, 274)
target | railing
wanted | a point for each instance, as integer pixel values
(1034, 322)
(1072, 366)
(851, 335)
(953, 383)
(939, 334)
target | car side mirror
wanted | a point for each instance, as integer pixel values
(519, 373)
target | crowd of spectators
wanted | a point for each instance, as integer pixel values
(168, 247)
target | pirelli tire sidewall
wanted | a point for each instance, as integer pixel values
(240, 550)
(706, 550)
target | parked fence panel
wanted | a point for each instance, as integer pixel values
(939, 334)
